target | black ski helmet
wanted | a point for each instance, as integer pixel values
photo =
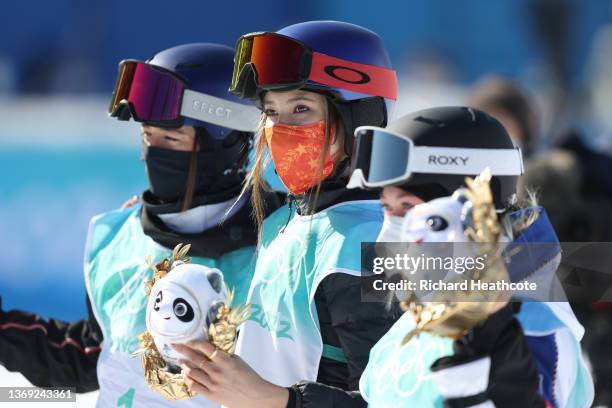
(456, 127)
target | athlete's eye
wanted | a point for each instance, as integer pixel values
(301, 109)
(270, 112)
(437, 223)
(183, 310)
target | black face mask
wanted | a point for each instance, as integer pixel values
(221, 166)
(168, 171)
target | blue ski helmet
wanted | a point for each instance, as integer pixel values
(187, 85)
(183, 85)
(346, 41)
(346, 62)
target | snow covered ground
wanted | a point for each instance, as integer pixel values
(8, 379)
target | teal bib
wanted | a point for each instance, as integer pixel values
(282, 340)
(115, 272)
(399, 376)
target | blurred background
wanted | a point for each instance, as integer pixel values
(543, 67)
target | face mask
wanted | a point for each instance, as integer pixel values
(391, 230)
(168, 171)
(296, 152)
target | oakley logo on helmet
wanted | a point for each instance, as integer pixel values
(448, 160)
(211, 109)
(346, 74)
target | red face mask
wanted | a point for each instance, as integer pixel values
(296, 151)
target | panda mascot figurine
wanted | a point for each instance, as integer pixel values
(468, 217)
(187, 302)
(182, 306)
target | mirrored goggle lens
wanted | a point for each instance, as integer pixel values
(154, 95)
(277, 60)
(122, 86)
(242, 56)
(381, 156)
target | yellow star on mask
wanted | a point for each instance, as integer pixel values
(313, 163)
(301, 149)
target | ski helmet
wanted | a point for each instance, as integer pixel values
(347, 63)
(183, 85)
(187, 85)
(434, 150)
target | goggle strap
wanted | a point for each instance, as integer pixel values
(453, 160)
(353, 76)
(220, 112)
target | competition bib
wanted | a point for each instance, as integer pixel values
(282, 340)
(400, 376)
(115, 272)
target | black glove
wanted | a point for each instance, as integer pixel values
(491, 366)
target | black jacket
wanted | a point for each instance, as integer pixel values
(513, 377)
(51, 353)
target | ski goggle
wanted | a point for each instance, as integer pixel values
(283, 63)
(382, 158)
(159, 97)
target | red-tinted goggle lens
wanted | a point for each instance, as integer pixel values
(153, 95)
(277, 60)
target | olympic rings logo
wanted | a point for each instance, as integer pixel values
(131, 285)
(281, 258)
(394, 365)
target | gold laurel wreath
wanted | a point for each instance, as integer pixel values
(445, 316)
(221, 333)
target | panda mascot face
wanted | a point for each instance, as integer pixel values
(431, 231)
(182, 305)
(173, 314)
(440, 220)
